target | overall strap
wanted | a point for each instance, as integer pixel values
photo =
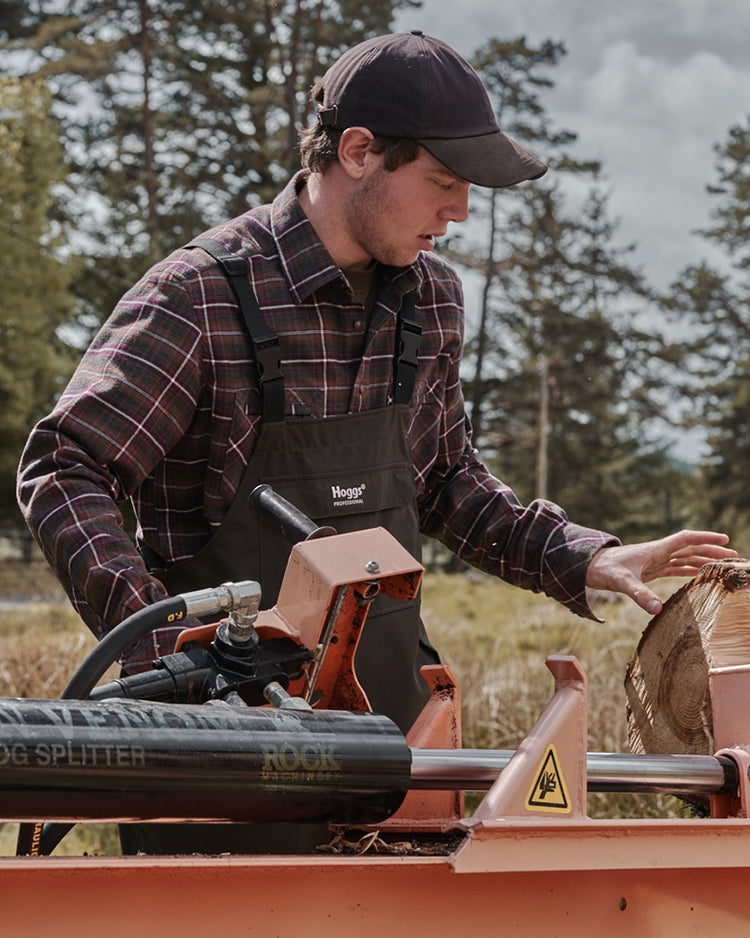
(408, 340)
(265, 343)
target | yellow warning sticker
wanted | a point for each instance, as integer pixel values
(549, 792)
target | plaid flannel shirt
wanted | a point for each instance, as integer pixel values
(164, 410)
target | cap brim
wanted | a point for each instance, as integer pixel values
(491, 160)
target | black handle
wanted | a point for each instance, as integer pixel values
(292, 523)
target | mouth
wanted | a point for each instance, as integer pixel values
(428, 241)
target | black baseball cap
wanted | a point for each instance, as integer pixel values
(414, 86)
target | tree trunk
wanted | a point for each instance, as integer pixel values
(479, 392)
(149, 168)
(542, 471)
(705, 624)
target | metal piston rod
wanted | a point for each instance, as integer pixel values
(477, 769)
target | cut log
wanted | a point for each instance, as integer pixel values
(705, 624)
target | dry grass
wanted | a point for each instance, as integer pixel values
(494, 638)
(43, 643)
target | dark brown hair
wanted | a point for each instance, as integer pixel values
(319, 145)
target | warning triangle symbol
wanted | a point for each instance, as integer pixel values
(549, 792)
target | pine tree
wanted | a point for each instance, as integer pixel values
(37, 302)
(560, 381)
(573, 375)
(513, 73)
(713, 308)
(178, 115)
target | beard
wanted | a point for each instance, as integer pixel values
(372, 216)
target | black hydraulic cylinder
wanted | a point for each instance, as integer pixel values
(125, 760)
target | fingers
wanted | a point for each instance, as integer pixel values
(652, 605)
(684, 553)
(647, 600)
(704, 553)
(688, 537)
(634, 587)
(676, 566)
(672, 570)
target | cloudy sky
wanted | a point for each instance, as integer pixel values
(649, 86)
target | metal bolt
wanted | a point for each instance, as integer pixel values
(372, 566)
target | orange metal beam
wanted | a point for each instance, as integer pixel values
(677, 879)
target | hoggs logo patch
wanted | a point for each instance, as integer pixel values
(348, 495)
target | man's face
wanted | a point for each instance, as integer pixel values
(392, 216)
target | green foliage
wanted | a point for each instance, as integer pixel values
(564, 325)
(563, 388)
(179, 115)
(33, 360)
(514, 73)
(14, 19)
(724, 472)
(732, 214)
(713, 308)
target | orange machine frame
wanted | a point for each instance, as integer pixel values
(528, 862)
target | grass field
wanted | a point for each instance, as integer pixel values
(495, 639)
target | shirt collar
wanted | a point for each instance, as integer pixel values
(306, 263)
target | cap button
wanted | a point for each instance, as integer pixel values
(417, 32)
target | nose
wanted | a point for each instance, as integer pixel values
(457, 209)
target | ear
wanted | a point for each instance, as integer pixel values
(354, 146)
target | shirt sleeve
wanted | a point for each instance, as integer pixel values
(535, 547)
(128, 402)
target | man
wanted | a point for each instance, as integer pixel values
(182, 408)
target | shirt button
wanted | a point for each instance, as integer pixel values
(357, 324)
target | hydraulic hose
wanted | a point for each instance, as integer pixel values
(35, 838)
(165, 612)
(173, 609)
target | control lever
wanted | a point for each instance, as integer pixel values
(292, 524)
